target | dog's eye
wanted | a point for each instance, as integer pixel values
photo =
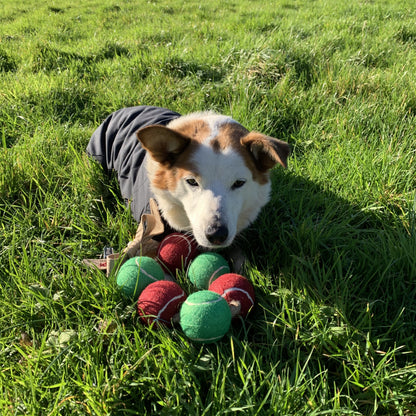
(192, 182)
(238, 184)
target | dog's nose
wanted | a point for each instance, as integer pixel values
(217, 234)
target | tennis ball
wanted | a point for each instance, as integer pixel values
(237, 291)
(136, 273)
(160, 302)
(176, 251)
(205, 316)
(207, 267)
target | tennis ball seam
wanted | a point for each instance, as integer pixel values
(206, 302)
(239, 290)
(208, 339)
(158, 317)
(213, 278)
(142, 270)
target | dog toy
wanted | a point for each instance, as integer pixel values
(176, 251)
(207, 267)
(237, 291)
(160, 302)
(205, 316)
(136, 273)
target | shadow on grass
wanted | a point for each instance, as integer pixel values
(49, 58)
(358, 260)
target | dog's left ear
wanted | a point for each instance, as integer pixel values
(163, 144)
(266, 151)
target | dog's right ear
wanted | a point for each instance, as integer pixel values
(163, 144)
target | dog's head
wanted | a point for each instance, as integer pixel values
(210, 175)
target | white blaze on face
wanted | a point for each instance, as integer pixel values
(214, 202)
(221, 192)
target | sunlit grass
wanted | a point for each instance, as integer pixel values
(332, 257)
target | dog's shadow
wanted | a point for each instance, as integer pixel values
(360, 261)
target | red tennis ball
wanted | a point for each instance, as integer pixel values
(176, 251)
(160, 302)
(237, 291)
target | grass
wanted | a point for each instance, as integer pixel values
(332, 257)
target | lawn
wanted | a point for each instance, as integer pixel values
(332, 257)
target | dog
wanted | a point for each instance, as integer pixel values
(209, 175)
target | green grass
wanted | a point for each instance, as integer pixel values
(332, 257)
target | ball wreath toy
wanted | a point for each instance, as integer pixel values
(160, 302)
(205, 316)
(136, 273)
(237, 291)
(207, 267)
(176, 251)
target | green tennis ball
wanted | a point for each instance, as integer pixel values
(137, 273)
(207, 267)
(205, 316)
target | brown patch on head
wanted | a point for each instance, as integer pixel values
(260, 153)
(167, 179)
(171, 150)
(229, 135)
(194, 129)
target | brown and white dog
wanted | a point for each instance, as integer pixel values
(209, 174)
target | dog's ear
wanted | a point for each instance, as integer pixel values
(266, 151)
(163, 144)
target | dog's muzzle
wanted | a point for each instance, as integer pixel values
(217, 234)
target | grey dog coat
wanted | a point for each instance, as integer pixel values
(115, 146)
